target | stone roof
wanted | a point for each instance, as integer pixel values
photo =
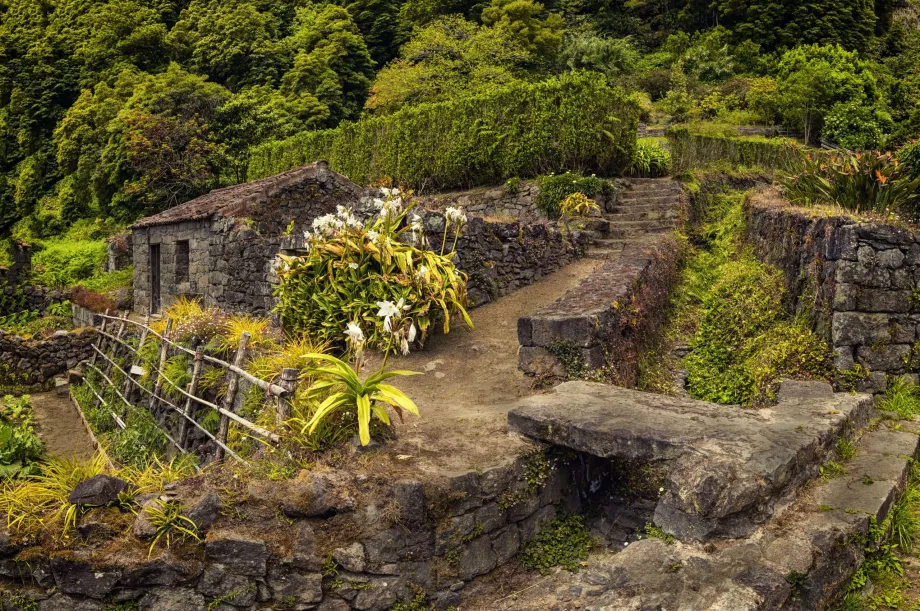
(231, 200)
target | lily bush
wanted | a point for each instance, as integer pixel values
(862, 182)
(355, 270)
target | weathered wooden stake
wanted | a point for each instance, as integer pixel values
(164, 347)
(140, 344)
(232, 386)
(101, 345)
(288, 383)
(115, 345)
(192, 390)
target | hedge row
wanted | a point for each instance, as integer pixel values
(689, 150)
(572, 122)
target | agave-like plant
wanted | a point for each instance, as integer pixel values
(340, 387)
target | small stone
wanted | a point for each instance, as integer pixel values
(97, 491)
(240, 554)
(351, 558)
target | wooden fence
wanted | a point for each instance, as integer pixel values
(112, 342)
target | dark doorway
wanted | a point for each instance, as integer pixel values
(154, 278)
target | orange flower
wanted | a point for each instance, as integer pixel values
(882, 179)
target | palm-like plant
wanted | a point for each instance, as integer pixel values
(341, 388)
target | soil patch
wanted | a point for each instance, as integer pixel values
(470, 380)
(59, 425)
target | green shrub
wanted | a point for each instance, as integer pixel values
(574, 121)
(690, 150)
(901, 397)
(564, 542)
(65, 263)
(864, 182)
(651, 160)
(855, 126)
(554, 188)
(20, 447)
(745, 344)
(376, 277)
(910, 157)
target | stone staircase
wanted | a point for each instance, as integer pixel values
(595, 319)
(643, 209)
(759, 521)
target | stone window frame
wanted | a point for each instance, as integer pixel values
(183, 260)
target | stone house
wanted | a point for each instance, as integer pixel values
(220, 247)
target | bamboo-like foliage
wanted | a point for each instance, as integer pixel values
(352, 268)
(689, 151)
(571, 122)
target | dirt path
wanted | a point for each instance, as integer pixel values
(59, 425)
(471, 378)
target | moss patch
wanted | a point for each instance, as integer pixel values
(564, 542)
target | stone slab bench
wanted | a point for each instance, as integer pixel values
(726, 468)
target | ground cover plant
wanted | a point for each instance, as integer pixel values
(20, 448)
(729, 308)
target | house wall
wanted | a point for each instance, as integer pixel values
(198, 234)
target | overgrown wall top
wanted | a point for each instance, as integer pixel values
(854, 281)
(572, 122)
(689, 151)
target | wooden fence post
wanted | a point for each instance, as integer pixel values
(232, 386)
(288, 383)
(164, 347)
(140, 345)
(115, 344)
(99, 342)
(192, 389)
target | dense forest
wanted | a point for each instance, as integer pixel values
(110, 109)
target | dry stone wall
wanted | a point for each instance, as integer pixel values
(856, 281)
(295, 553)
(502, 202)
(33, 363)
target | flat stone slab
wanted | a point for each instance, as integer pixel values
(726, 467)
(820, 546)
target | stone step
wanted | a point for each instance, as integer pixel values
(725, 469)
(618, 217)
(652, 198)
(821, 539)
(639, 228)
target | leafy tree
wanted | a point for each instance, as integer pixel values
(856, 126)
(812, 78)
(231, 42)
(524, 21)
(451, 57)
(588, 51)
(258, 114)
(784, 24)
(332, 61)
(380, 24)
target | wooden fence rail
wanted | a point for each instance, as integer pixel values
(108, 344)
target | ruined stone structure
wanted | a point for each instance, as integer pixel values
(220, 246)
(856, 280)
(21, 256)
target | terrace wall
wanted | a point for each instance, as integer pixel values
(855, 280)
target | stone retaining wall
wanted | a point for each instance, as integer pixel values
(33, 363)
(301, 544)
(606, 319)
(856, 281)
(517, 202)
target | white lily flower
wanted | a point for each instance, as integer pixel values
(454, 215)
(388, 324)
(401, 305)
(404, 346)
(412, 332)
(388, 309)
(353, 266)
(422, 273)
(354, 333)
(373, 235)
